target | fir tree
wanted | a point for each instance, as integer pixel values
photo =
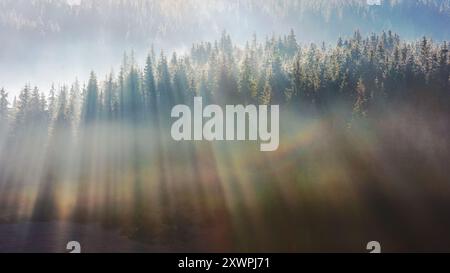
(90, 105)
(4, 111)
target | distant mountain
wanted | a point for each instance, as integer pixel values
(178, 22)
(68, 36)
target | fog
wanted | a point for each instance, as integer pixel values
(364, 125)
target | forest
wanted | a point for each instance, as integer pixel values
(169, 22)
(362, 75)
(93, 34)
(364, 126)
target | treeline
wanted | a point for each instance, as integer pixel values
(361, 75)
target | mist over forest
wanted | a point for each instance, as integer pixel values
(56, 41)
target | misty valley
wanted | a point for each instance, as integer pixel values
(232, 126)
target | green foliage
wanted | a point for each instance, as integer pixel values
(362, 75)
(91, 102)
(3, 107)
(247, 84)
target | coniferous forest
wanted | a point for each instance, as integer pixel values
(363, 152)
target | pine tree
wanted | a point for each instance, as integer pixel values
(227, 86)
(90, 105)
(164, 85)
(291, 44)
(35, 105)
(22, 108)
(73, 110)
(150, 87)
(109, 97)
(297, 80)
(265, 95)
(51, 102)
(340, 43)
(132, 97)
(61, 119)
(279, 80)
(180, 82)
(425, 54)
(4, 111)
(43, 108)
(247, 85)
(444, 68)
(204, 90)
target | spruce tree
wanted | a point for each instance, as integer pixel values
(247, 85)
(90, 105)
(150, 87)
(164, 85)
(4, 111)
